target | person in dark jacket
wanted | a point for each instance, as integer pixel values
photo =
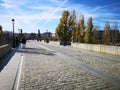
(24, 41)
(17, 41)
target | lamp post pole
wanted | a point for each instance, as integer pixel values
(20, 34)
(13, 21)
(39, 35)
(47, 34)
(47, 40)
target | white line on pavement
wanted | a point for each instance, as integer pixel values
(19, 73)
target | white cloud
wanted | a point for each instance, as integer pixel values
(12, 3)
(6, 5)
(25, 21)
(54, 1)
(39, 15)
(40, 7)
(23, 18)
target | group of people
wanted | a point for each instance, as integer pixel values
(20, 41)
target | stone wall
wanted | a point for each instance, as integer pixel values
(55, 42)
(115, 50)
(4, 49)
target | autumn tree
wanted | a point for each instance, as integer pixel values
(107, 33)
(88, 31)
(65, 27)
(72, 24)
(77, 32)
(79, 29)
(114, 33)
(73, 16)
(94, 33)
(59, 32)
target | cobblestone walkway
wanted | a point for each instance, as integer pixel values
(44, 70)
(107, 63)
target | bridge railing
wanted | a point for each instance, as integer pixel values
(4, 49)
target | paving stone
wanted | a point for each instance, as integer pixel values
(50, 72)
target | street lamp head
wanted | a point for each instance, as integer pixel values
(13, 21)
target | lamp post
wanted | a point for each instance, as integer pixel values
(13, 21)
(47, 40)
(20, 34)
(47, 33)
(39, 35)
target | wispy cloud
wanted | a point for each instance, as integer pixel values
(105, 6)
(31, 15)
(41, 7)
(51, 15)
(54, 1)
(11, 3)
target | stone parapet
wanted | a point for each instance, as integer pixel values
(115, 50)
(4, 49)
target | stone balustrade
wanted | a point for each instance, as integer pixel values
(115, 50)
(4, 49)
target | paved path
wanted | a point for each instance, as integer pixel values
(109, 64)
(8, 70)
(51, 67)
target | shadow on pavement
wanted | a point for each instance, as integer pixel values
(33, 48)
(37, 51)
(4, 61)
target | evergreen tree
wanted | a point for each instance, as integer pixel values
(107, 33)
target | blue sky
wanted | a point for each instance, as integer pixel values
(31, 15)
